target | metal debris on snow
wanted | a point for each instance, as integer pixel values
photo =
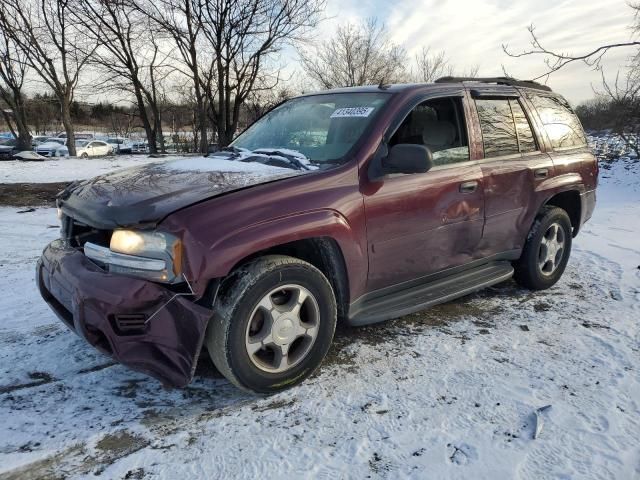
(539, 422)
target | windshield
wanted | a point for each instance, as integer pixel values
(81, 143)
(322, 128)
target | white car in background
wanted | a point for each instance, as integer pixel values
(93, 148)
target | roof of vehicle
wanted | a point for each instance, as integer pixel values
(496, 82)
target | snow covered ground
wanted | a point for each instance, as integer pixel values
(69, 169)
(447, 393)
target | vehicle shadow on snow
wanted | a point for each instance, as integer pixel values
(438, 317)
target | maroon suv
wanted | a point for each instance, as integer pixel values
(359, 204)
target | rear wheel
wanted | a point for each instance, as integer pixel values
(546, 251)
(273, 324)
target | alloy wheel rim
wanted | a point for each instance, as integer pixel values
(552, 248)
(282, 328)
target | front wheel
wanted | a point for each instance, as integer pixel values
(273, 324)
(546, 251)
(84, 155)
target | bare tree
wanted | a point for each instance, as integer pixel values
(556, 60)
(620, 101)
(52, 47)
(260, 102)
(128, 55)
(182, 22)
(357, 55)
(471, 71)
(431, 66)
(243, 36)
(623, 96)
(13, 70)
(226, 47)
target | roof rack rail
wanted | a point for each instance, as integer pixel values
(499, 80)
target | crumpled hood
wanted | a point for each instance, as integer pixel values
(148, 193)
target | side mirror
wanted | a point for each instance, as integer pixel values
(408, 158)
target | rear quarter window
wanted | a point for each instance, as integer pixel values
(561, 124)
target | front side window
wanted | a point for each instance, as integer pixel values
(323, 128)
(439, 125)
(561, 124)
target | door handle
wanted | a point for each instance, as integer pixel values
(541, 173)
(468, 187)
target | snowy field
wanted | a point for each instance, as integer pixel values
(447, 393)
(69, 169)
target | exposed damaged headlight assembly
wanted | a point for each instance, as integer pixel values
(153, 256)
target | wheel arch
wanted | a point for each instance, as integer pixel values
(569, 201)
(325, 254)
(322, 252)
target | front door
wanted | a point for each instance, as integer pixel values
(419, 224)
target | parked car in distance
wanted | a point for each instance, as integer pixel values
(8, 148)
(37, 140)
(92, 148)
(139, 146)
(355, 205)
(53, 147)
(78, 136)
(120, 145)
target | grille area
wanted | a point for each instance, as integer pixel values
(129, 324)
(78, 233)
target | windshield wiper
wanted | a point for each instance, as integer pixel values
(234, 150)
(293, 159)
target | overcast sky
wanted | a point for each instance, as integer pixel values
(472, 32)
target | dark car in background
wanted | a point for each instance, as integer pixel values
(120, 145)
(356, 205)
(8, 148)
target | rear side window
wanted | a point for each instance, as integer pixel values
(561, 124)
(498, 129)
(526, 140)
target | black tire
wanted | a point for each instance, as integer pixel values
(528, 270)
(84, 155)
(233, 309)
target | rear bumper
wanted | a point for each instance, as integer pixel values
(101, 307)
(587, 206)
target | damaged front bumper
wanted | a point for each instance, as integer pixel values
(139, 323)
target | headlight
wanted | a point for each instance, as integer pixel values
(154, 256)
(138, 243)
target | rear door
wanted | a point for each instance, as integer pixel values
(418, 224)
(513, 163)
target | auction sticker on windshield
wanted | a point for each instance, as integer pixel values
(352, 112)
